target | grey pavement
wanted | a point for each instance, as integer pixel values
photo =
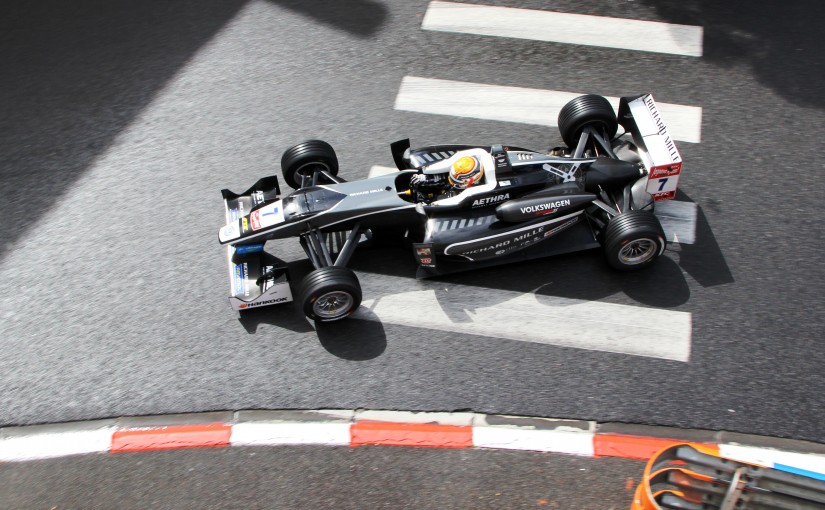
(320, 477)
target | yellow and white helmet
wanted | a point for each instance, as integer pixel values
(465, 172)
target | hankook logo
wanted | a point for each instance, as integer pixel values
(262, 303)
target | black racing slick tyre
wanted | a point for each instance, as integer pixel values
(305, 159)
(589, 110)
(633, 240)
(330, 293)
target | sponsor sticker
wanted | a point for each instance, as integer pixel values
(245, 224)
(663, 181)
(667, 195)
(563, 226)
(249, 248)
(263, 303)
(424, 255)
(246, 274)
(481, 202)
(267, 216)
(546, 208)
(230, 231)
(666, 171)
(509, 242)
(379, 190)
(240, 280)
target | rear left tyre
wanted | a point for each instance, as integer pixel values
(633, 240)
(586, 111)
(330, 294)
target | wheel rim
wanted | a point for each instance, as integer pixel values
(637, 251)
(300, 173)
(333, 305)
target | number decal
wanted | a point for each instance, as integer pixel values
(662, 183)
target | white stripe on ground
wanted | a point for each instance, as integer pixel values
(768, 457)
(677, 218)
(519, 104)
(377, 170)
(527, 317)
(574, 443)
(248, 434)
(46, 446)
(564, 28)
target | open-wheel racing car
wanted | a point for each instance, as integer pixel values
(458, 206)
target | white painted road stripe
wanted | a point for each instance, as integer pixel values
(50, 445)
(564, 28)
(677, 218)
(558, 441)
(527, 317)
(247, 434)
(377, 170)
(519, 104)
(770, 457)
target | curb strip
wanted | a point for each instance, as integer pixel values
(394, 428)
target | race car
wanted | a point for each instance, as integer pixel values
(458, 207)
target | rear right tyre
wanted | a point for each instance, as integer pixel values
(633, 240)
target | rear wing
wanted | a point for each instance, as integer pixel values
(640, 117)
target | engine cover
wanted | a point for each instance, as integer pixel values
(554, 201)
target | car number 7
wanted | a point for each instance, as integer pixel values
(662, 183)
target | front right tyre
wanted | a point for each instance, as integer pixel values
(330, 293)
(633, 240)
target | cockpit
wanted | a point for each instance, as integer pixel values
(453, 180)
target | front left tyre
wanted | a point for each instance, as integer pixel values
(303, 160)
(633, 240)
(330, 293)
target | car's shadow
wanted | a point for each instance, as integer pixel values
(583, 276)
(362, 18)
(779, 41)
(352, 339)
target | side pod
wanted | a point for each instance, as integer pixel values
(554, 201)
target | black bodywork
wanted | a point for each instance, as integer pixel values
(518, 204)
(535, 196)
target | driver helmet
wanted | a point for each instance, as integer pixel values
(465, 172)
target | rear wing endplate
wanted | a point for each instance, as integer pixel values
(640, 117)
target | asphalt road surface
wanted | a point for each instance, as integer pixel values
(322, 477)
(121, 121)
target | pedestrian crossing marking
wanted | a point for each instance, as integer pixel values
(565, 28)
(520, 104)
